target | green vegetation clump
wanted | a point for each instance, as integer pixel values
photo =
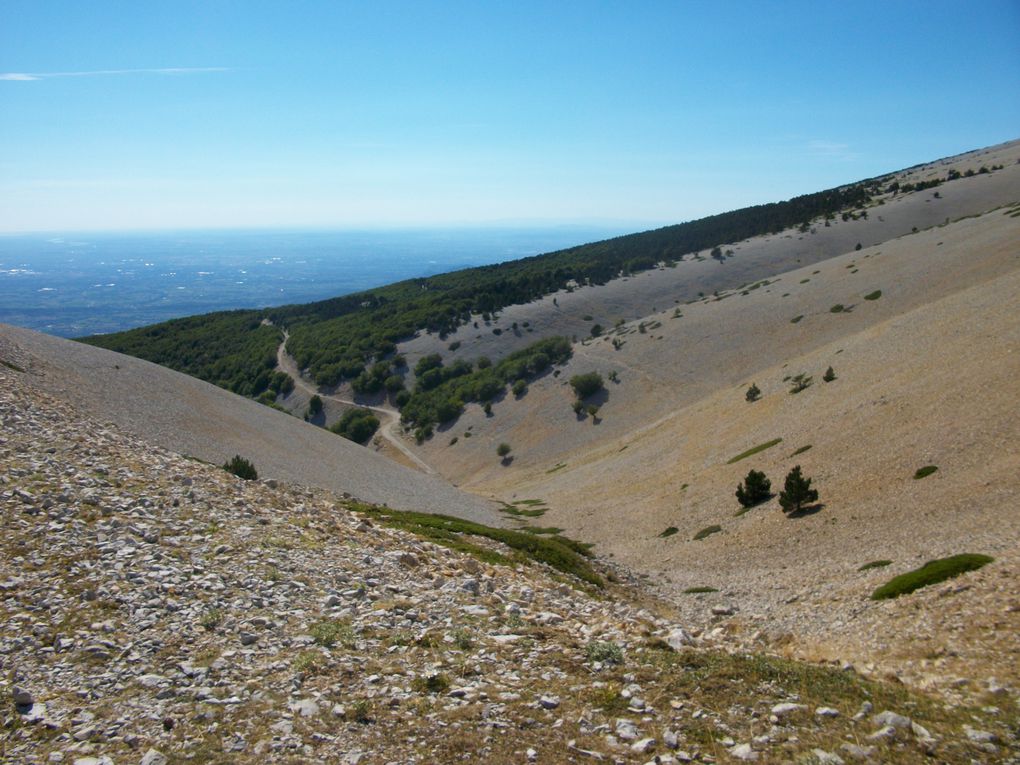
(699, 590)
(838, 308)
(829, 375)
(241, 467)
(604, 652)
(707, 532)
(875, 564)
(357, 425)
(586, 385)
(328, 633)
(436, 683)
(754, 450)
(314, 407)
(925, 471)
(755, 489)
(797, 492)
(800, 382)
(873, 295)
(753, 393)
(441, 391)
(801, 450)
(932, 572)
(561, 553)
(796, 319)
(503, 450)
(669, 532)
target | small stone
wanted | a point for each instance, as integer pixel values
(891, 718)
(826, 758)
(723, 610)
(826, 712)
(670, 739)
(248, 638)
(857, 752)
(304, 708)
(532, 755)
(678, 638)
(153, 757)
(626, 730)
(744, 752)
(787, 708)
(408, 560)
(888, 733)
(980, 736)
(549, 702)
(22, 696)
(643, 746)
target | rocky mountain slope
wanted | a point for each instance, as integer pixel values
(156, 609)
(192, 417)
(920, 331)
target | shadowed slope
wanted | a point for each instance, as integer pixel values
(192, 417)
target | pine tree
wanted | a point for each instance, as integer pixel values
(755, 489)
(829, 375)
(796, 492)
(753, 393)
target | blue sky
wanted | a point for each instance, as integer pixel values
(213, 114)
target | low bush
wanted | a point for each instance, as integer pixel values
(932, 572)
(669, 532)
(707, 532)
(873, 295)
(587, 384)
(242, 468)
(604, 651)
(754, 450)
(357, 425)
(699, 590)
(925, 471)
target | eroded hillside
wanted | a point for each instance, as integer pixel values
(157, 610)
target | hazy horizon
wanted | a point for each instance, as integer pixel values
(201, 115)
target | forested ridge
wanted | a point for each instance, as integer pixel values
(354, 337)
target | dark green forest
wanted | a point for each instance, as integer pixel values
(354, 337)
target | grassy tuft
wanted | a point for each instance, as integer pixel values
(801, 450)
(707, 532)
(699, 590)
(754, 450)
(668, 532)
(561, 553)
(874, 564)
(932, 572)
(924, 472)
(873, 295)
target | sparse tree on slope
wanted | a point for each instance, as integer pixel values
(797, 492)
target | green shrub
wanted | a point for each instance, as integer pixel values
(924, 472)
(755, 489)
(503, 449)
(241, 467)
(873, 295)
(797, 492)
(801, 450)
(753, 393)
(587, 384)
(669, 532)
(518, 388)
(328, 633)
(838, 308)
(314, 407)
(699, 590)
(357, 425)
(932, 572)
(437, 683)
(800, 382)
(707, 532)
(604, 651)
(795, 319)
(829, 375)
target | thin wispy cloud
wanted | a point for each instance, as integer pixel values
(30, 76)
(832, 150)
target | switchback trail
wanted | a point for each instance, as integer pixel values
(390, 417)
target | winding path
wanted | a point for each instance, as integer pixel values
(390, 417)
